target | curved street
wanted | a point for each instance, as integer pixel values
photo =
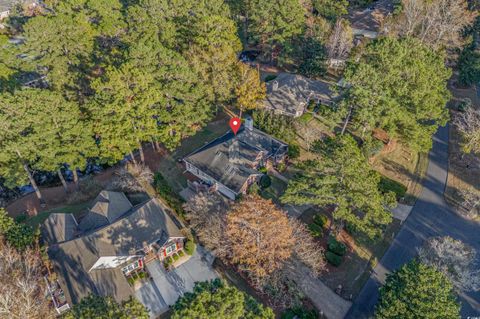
(431, 216)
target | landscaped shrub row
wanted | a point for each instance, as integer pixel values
(335, 251)
(319, 224)
(166, 193)
(336, 247)
(333, 259)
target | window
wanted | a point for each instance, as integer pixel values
(171, 248)
(130, 267)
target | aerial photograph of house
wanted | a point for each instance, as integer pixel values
(239, 159)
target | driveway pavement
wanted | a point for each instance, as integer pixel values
(430, 216)
(167, 286)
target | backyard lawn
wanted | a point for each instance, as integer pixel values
(38, 219)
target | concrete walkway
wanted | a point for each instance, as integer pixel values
(332, 305)
(430, 217)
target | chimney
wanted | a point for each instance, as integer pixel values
(249, 123)
(274, 85)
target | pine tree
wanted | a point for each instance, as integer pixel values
(343, 178)
(216, 299)
(417, 291)
(399, 85)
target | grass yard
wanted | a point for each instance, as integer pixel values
(275, 190)
(362, 255)
(38, 219)
(405, 167)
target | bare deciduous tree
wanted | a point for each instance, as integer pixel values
(307, 250)
(437, 23)
(340, 42)
(206, 215)
(455, 259)
(22, 292)
(468, 124)
(471, 203)
(132, 179)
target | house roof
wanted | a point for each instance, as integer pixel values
(59, 228)
(145, 224)
(107, 207)
(289, 93)
(371, 19)
(230, 158)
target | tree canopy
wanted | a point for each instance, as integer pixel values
(342, 178)
(216, 299)
(399, 85)
(94, 306)
(417, 291)
(18, 235)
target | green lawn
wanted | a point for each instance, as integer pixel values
(275, 190)
(38, 219)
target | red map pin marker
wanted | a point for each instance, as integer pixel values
(235, 124)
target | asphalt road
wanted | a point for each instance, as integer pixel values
(431, 216)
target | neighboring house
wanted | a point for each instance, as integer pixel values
(97, 254)
(7, 5)
(230, 163)
(369, 22)
(290, 94)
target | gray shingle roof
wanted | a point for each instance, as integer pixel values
(230, 159)
(58, 228)
(290, 93)
(107, 207)
(145, 224)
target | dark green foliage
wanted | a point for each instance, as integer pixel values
(313, 58)
(167, 262)
(316, 230)
(331, 9)
(279, 126)
(175, 257)
(336, 247)
(265, 181)
(168, 194)
(190, 247)
(342, 177)
(16, 234)
(389, 185)
(321, 220)
(270, 77)
(300, 313)
(372, 147)
(94, 306)
(263, 170)
(181, 253)
(293, 151)
(400, 86)
(21, 218)
(417, 291)
(333, 259)
(215, 299)
(469, 66)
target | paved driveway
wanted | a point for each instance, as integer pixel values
(430, 216)
(166, 287)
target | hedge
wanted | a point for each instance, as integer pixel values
(315, 230)
(333, 259)
(320, 220)
(336, 247)
(265, 181)
(176, 257)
